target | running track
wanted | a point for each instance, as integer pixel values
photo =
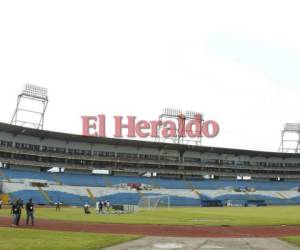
(160, 230)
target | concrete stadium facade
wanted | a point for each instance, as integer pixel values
(41, 149)
(195, 173)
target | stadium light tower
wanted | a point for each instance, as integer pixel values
(31, 107)
(175, 114)
(290, 138)
(169, 113)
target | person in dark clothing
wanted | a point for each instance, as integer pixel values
(30, 212)
(16, 212)
(86, 208)
(100, 206)
(20, 204)
(57, 206)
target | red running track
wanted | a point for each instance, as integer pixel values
(160, 230)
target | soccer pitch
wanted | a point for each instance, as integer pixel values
(231, 216)
(29, 239)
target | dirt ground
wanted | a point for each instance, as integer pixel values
(161, 230)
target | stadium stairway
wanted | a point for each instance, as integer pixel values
(45, 194)
(192, 188)
(91, 196)
(282, 196)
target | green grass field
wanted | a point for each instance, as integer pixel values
(292, 239)
(16, 239)
(233, 216)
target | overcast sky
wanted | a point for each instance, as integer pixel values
(237, 62)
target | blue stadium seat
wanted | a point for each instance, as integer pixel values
(274, 192)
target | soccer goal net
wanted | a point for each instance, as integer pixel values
(154, 201)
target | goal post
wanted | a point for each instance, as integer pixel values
(154, 201)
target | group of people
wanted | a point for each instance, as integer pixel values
(16, 211)
(103, 206)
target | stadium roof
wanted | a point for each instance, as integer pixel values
(4, 127)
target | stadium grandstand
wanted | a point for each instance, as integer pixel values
(123, 171)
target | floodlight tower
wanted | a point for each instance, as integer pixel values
(31, 107)
(191, 115)
(169, 113)
(175, 115)
(290, 138)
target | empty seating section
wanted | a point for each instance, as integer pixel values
(55, 196)
(25, 195)
(273, 192)
(65, 198)
(182, 201)
(18, 174)
(107, 180)
(256, 184)
(81, 180)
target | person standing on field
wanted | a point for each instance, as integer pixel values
(107, 206)
(21, 205)
(101, 204)
(30, 212)
(16, 212)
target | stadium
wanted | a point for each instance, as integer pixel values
(188, 175)
(154, 125)
(174, 187)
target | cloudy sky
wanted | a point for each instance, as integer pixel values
(237, 62)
